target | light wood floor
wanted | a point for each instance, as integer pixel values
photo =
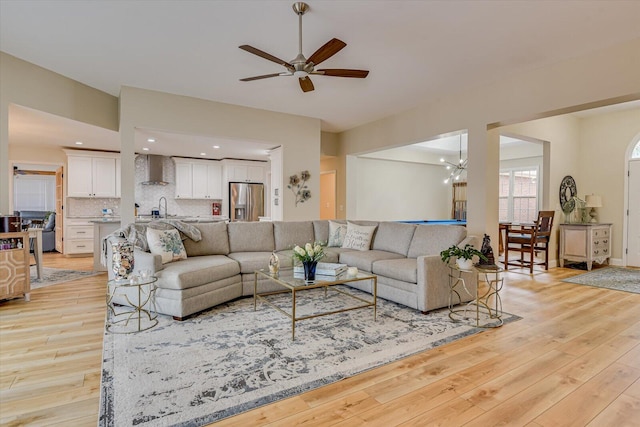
(574, 359)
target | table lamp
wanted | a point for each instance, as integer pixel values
(593, 201)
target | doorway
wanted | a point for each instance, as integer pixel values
(633, 213)
(328, 195)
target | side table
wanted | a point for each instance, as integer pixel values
(140, 314)
(488, 305)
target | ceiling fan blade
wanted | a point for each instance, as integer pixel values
(306, 84)
(325, 52)
(265, 55)
(339, 72)
(266, 76)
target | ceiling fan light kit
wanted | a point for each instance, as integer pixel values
(302, 67)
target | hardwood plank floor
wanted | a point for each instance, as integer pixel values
(574, 359)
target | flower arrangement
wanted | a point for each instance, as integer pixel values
(298, 186)
(310, 253)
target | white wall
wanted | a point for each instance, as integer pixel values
(404, 191)
(299, 136)
(599, 78)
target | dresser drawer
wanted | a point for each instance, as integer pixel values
(79, 232)
(600, 233)
(80, 246)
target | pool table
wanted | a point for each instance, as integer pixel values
(437, 221)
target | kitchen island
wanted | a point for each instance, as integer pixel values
(102, 227)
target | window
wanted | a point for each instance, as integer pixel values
(518, 194)
(34, 193)
(635, 154)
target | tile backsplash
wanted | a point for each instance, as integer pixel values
(147, 197)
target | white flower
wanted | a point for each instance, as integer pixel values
(308, 247)
(317, 248)
(299, 250)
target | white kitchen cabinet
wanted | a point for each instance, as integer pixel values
(78, 237)
(184, 180)
(89, 176)
(588, 243)
(244, 172)
(198, 179)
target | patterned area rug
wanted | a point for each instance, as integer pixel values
(617, 278)
(231, 358)
(53, 276)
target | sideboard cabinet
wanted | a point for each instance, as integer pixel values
(15, 280)
(588, 243)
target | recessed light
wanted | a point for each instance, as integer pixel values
(79, 143)
(203, 154)
(216, 146)
(145, 149)
(151, 140)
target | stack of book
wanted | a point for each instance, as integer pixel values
(327, 269)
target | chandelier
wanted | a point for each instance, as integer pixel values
(456, 168)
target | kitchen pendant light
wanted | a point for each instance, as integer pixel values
(456, 168)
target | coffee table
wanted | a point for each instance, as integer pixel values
(294, 284)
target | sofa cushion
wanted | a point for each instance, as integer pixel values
(197, 271)
(405, 269)
(215, 240)
(364, 259)
(167, 244)
(333, 254)
(321, 230)
(358, 237)
(432, 239)
(289, 234)
(337, 231)
(251, 237)
(251, 261)
(394, 237)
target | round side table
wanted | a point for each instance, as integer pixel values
(140, 312)
(485, 310)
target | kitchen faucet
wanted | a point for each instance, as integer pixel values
(165, 205)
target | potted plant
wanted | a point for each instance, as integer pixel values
(464, 256)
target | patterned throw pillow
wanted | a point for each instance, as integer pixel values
(337, 232)
(167, 244)
(358, 236)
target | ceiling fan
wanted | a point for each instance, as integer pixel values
(302, 67)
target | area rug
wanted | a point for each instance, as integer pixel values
(231, 358)
(53, 276)
(617, 278)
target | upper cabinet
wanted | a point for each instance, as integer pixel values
(198, 179)
(92, 174)
(237, 171)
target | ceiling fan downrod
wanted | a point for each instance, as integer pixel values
(300, 62)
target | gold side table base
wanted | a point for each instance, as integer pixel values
(485, 310)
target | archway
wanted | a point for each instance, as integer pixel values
(632, 195)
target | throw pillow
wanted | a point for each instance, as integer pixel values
(358, 236)
(167, 244)
(337, 232)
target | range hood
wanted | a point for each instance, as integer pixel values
(155, 170)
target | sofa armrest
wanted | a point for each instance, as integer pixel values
(141, 261)
(433, 283)
(146, 261)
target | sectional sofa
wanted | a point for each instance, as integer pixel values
(220, 267)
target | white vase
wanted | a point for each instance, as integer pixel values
(464, 264)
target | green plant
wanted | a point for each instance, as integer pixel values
(465, 253)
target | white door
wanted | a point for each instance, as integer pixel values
(633, 226)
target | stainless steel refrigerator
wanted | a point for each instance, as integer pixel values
(246, 201)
